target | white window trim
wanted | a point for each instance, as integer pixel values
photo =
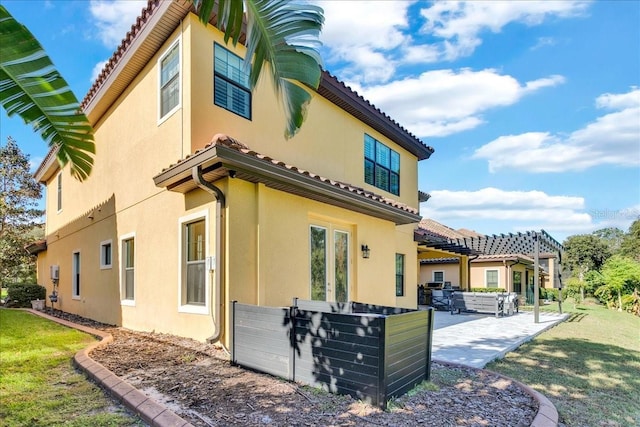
(188, 308)
(104, 266)
(486, 284)
(59, 192)
(162, 118)
(73, 274)
(433, 275)
(123, 301)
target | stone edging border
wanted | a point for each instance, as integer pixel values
(155, 414)
(159, 416)
(547, 415)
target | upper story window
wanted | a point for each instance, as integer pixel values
(59, 191)
(231, 83)
(170, 80)
(381, 166)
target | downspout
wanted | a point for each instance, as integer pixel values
(196, 173)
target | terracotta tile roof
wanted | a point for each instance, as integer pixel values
(434, 227)
(222, 140)
(120, 50)
(443, 260)
(503, 257)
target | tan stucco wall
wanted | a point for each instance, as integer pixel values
(265, 231)
(451, 273)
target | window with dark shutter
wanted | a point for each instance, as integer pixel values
(231, 83)
(381, 166)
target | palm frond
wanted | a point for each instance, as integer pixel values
(284, 34)
(32, 88)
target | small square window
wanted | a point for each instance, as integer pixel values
(105, 254)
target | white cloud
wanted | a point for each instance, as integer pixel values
(493, 211)
(460, 24)
(544, 41)
(613, 138)
(97, 69)
(369, 40)
(443, 102)
(113, 18)
(493, 197)
(34, 163)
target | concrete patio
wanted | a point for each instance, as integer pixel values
(477, 339)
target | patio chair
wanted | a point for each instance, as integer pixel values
(440, 299)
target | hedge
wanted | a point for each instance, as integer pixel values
(498, 290)
(21, 294)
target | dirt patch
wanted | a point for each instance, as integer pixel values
(198, 382)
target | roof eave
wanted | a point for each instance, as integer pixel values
(48, 167)
(338, 93)
(133, 55)
(272, 175)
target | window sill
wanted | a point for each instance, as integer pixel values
(193, 309)
(128, 302)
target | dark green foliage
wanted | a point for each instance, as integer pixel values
(498, 290)
(19, 216)
(21, 295)
(585, 252)
(630, 246)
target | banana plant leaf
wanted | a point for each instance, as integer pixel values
(32, 88)
(284, 34)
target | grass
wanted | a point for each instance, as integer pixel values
(39, 386)
(588, 366)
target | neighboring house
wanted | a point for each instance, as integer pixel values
(187, 208)
(441, 261)
(491, 266)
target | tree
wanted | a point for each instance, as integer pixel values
(611, 236)
(585, 252)
(19, 195)
(284, 34)
(630, 246)
(620, 275)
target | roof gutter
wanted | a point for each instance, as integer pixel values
(196, 173)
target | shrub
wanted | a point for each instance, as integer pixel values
(499, 290)
(21, 294)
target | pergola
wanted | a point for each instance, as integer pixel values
(530, 243)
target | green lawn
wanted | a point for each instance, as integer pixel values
(38, 384)
(588, 366)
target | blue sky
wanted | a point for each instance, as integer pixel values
(533, 108)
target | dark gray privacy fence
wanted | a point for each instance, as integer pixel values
(370, 352)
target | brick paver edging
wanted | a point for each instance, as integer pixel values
(146, 408)
(547, 415)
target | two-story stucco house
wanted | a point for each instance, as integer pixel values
(196, 198)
